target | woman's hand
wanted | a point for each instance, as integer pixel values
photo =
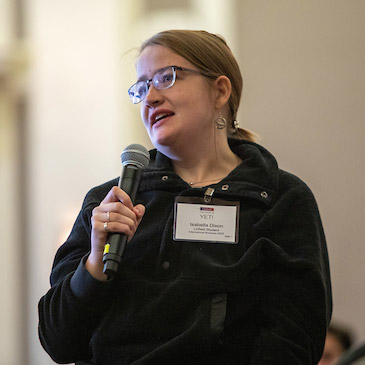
(115, 213)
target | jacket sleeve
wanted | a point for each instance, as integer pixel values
(296, 305)
(73, 307)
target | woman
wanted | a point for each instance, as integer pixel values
(242, 280)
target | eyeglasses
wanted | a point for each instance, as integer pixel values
(164, 78)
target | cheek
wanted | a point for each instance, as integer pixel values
(144, 115)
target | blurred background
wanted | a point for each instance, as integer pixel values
(65, 117)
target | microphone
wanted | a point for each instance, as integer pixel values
(134, 158)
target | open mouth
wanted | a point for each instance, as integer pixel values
(161, 116)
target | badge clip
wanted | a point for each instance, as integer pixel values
(208, 195)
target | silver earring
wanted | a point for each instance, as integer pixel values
(220, 122)
(236, 125)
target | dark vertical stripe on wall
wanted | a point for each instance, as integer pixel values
(19, 23)
(19, 31)
(21, 115)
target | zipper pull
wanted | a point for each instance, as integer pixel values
(208, 195)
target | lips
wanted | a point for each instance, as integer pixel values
(159, 115)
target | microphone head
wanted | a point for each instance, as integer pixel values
(136, 155)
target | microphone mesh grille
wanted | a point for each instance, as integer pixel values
(135, 154)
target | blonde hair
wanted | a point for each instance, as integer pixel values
(210, 54)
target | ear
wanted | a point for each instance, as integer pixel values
(223, 88)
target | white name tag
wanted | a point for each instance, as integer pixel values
(215, 222)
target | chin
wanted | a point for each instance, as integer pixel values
(162, 141)
(164, 146)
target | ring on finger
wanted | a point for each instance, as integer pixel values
(106, 226)
(108, 216)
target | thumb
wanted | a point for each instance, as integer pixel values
(139, 211)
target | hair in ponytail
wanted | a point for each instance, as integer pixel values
(243, 133)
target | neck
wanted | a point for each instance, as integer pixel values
(205, 166)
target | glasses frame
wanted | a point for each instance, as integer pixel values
(151, 81)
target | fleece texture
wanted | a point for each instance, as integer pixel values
(264, 300)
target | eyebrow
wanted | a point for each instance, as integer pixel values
(144, 77)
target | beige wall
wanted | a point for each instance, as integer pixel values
(12, 66)
(80, 116)
(304, 93)
(303, 65)
(10, 271)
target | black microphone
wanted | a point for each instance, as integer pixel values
(134, 158)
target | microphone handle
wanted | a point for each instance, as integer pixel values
(116, 242)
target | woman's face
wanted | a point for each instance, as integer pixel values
(183, 115)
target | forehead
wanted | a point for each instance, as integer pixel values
(155, 57)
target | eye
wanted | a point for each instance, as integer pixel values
(140, 88)
(163, 79)
(167, 77)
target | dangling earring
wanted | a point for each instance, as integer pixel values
(236, 126)
(220, 122)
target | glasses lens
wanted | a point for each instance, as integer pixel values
(138, 91)
(164, 78)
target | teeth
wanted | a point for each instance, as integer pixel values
(160, 116)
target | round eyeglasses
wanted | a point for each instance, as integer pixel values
(164, 78)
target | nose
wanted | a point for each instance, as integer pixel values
(154, 96)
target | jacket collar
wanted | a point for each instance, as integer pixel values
(256, 177)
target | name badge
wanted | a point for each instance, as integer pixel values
(216, 222)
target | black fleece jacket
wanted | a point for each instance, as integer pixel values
(264, 300)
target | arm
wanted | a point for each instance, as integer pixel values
(80, 295)
(67, 317)
(296, 305)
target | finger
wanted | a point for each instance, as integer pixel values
(111, 211)
(115, 227)
(117, 194)
(139, 210)
(118, 223)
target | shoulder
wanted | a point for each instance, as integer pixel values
(294, 202)
(292, 185)
(260, 169)
(284, 182)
